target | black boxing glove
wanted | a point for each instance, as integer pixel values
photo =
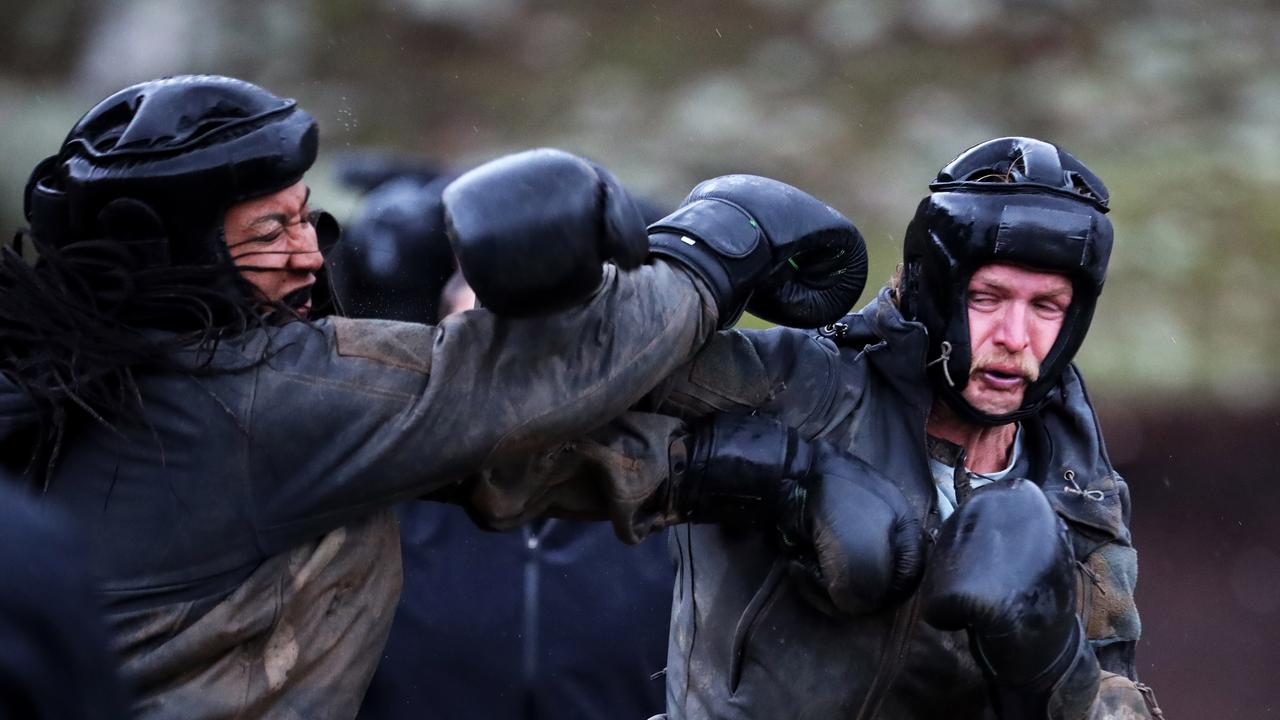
(532, 230)
(1003, 568)
(766, 246)
(837, 517)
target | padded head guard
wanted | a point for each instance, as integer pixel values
(1012, 200)
(186, 148)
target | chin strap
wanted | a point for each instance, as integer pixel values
(945, 359)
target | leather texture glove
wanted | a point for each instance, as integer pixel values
(1003, 568)
(836, 515)
(766, 246)
(532, 230)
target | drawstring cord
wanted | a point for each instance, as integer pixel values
(944, 358)
(1074, 488)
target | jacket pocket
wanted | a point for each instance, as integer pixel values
(751, 618)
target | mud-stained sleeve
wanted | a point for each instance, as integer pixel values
(1109, 612)
(351, 415)
(619, 473)
(1120, 698)
(1085, 691)
(790, 375)
(1107, 578)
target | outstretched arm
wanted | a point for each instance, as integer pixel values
(794, 376)
(352, 415)
(489, 389)
(619, 471)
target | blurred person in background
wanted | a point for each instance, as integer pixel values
(956, 384)
(233, 455)
(556, 619)
(54, 658)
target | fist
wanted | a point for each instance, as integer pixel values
(1003, 566)
(867, 548)
(763, 244)
(532, 230)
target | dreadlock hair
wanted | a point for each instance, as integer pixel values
(80, 321)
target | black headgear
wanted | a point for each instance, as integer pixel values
(395, 258)
(1012, 200)
(187, 148)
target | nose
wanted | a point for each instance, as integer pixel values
(1011, 331)
(304, 250)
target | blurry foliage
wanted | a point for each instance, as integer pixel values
(1175, 103)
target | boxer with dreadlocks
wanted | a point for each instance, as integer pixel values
(233, 453)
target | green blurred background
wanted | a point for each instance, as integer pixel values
(1175, 104)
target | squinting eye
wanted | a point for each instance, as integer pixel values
(266, 239)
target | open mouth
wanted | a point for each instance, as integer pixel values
(1002, 378)
(299, 300)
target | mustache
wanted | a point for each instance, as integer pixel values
(1027, 366)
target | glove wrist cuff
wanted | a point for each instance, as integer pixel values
(1072, 675)
(704, 266)
(738, 471)
(720, 242)
(795, 526)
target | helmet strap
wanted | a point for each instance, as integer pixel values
(945, 359)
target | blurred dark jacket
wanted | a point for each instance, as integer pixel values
(394, 258)
(555, 620)
(54, 658)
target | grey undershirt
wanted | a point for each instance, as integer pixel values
(944, 477)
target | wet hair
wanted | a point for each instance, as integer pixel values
(80, 320)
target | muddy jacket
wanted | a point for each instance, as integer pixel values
(243, 537)
(746, 639)
(745, 643)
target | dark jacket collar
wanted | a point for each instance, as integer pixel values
(895, 347)
(1067, 455)
(1065, 451)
